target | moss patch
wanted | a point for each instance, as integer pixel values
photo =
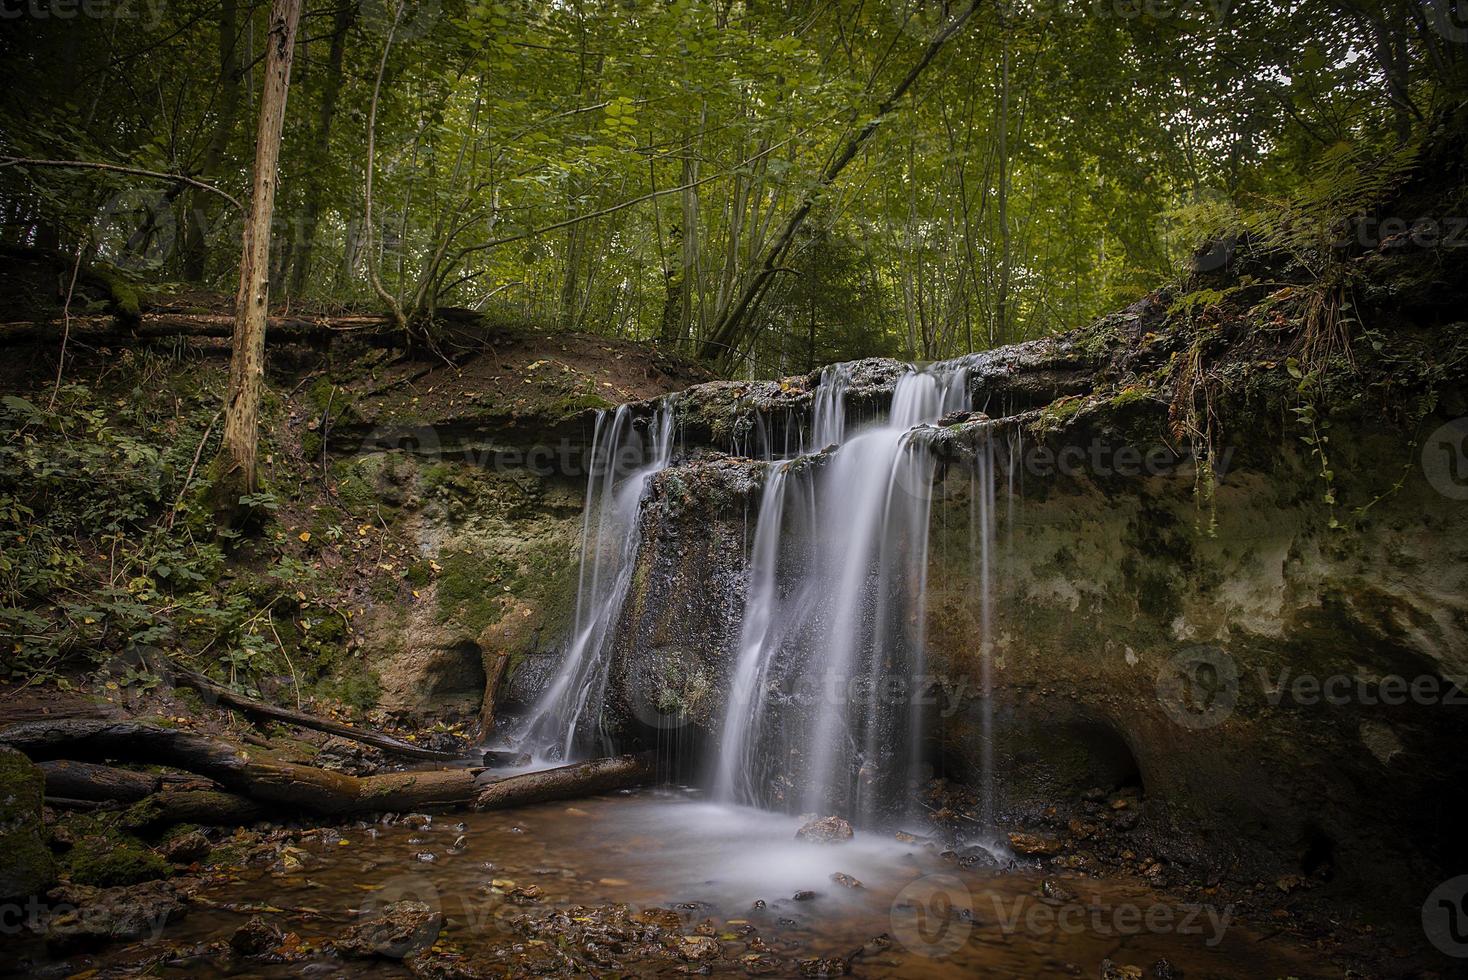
(109, 859)
(27, 867)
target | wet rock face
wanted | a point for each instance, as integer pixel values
(1234, 673)
(680, 622)
(26, 867)
(493, 590)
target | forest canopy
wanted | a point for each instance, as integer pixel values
(770, 185)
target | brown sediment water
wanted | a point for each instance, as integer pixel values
(712, 863)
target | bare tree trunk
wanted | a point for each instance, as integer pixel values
(197, 217)
(236, 473)
(1001, 331)
(331, 89)
(729, 330)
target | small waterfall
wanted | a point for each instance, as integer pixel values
(981, 545)
(736, 773)
(623, 458)
(788, 435)
(832, 640)
(828, 408)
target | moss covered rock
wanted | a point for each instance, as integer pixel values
(108, 859)
(26, 866)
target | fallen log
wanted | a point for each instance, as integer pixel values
(208, 808)
(85, 806)
(566, 782)
(153, 326)
(387, 743)
(258, 776)
(88, 781)
(288, 786)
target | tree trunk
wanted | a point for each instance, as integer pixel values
(170, 808)
(728, 332)
(1001, 306)
(566, 782)
(89, 781)
(236, 472)
(292, 787)
(197, 217)
(378, 330)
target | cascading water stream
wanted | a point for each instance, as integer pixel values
(826, 633)
(823, 711)
(622, 460)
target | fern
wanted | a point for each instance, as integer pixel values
(1344, 186)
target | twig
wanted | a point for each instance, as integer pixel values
(66, 327)
(7, 161)
(295, 682)
(192, 467)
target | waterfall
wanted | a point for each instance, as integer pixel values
(788, 435)
(831, 650)
(623, 458)
(737, 763)
(981, 544)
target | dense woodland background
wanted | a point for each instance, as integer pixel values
(626, 166)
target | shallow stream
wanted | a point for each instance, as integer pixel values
(917, 913)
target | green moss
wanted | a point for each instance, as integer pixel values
(361, 689)
(355, 492)
(1132, 395)
(575, 404)
(106, 860)
(1057, 414)
(127, 301)
(330, 628)
(469, 590)
(27, 867)
(311, 445)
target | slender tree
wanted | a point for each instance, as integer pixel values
(236, 473)
(729, 331)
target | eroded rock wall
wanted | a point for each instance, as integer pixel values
(1220, 635)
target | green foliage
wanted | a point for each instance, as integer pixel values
(1316, 423)
(109, 561)
(624, 165)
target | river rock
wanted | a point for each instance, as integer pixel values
(110, 914)
(1034, 845)
(694, 948)
(255, 938)
(28, 868)
(397, 930)
(187, 848)
(833, 966)
(825, 830)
